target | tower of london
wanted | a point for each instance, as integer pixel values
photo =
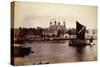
(55, 27)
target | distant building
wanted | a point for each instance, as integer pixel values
(54, 27)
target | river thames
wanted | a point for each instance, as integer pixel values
(46, 52)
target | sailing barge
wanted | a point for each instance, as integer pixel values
(80, 36)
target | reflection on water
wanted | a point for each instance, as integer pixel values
(80, 53)
(55, 52)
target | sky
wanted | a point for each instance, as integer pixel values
(30, 14)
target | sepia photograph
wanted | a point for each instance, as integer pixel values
(49, 33)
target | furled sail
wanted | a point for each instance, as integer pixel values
(80, 31)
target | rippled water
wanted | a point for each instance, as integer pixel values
(56, 52)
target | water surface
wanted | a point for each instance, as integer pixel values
(56, 52)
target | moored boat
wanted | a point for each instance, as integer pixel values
(20, 51)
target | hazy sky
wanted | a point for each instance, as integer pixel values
(28, 14)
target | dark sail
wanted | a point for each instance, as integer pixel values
(80, 31)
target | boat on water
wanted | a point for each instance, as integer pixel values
(20, 51)
(80, 36)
